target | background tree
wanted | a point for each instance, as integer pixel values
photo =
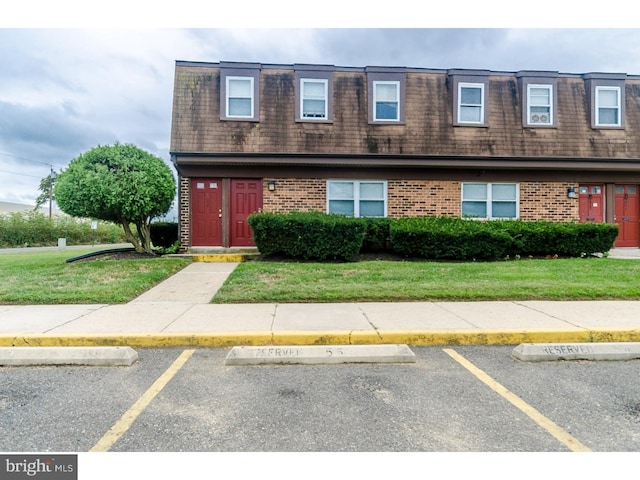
(117, 183)
(46, 192)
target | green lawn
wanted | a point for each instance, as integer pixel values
(386, 281)
(44, 277)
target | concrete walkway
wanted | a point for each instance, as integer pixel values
(177, 313)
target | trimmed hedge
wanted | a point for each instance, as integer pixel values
(319, 236)
(540, 238)
(448, 238)
(458, 239)
(164, 234)
(376, 238)
(308, 235)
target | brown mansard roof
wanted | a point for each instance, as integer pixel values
(427, 133)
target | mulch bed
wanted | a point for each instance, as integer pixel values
(116, 255)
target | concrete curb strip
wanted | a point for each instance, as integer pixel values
(320, 355)
(91, 356)
(541, 352)
(319, 337)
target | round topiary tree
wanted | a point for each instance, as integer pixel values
(118, 183)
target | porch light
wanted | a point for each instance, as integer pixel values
(271, 185)
(571, 193)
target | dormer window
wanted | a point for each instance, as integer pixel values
(470, 92)
(314, 99)
(471, 103)
(239, 99)
(239, 102)
(540, 104)
(314, 93)
(607, 106)
(606, 99)
(538, 90)
(386, 95)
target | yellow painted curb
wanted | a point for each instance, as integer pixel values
(141, 340)
(251, 338)
(219, 257)
(312, 338)
(483, 337)
(615, 335)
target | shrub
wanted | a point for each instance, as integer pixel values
(593, 238)
(318, 236)
(459, 239)
(175, 248)
(447, 238)
(34, 229)
(529, 238)
(164, 234)
(308, 235)
(540, 238)
(376, 238)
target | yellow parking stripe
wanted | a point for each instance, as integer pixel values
(122, 425)
(561, 435)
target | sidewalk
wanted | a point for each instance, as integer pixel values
(176, 313)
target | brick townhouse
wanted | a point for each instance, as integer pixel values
(399, 141)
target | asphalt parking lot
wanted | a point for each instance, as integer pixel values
(452, 399)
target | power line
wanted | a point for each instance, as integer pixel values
(27, 159)
(22, 174)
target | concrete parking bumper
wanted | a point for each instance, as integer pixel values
(91, 356)
(320, 355)
(542, 352)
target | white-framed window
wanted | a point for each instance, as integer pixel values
(357, 198)
(539, 104)
(471, 103)
(490, 200)
(239, 101)
(314, 101)
(608, 106)
(386, 101)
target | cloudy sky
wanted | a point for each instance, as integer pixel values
(106, 76)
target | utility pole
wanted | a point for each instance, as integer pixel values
(52, 175)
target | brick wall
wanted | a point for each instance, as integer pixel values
(548, 201)
(411, 198)
(300, 194)
(414, 198)
(184, 214)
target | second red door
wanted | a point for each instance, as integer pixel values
(245, 199)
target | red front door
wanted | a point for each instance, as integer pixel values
(245, 199)
(591, 203)
(626, 215)
(206, 212)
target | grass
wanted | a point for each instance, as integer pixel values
(43, 277)
(388, 281)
